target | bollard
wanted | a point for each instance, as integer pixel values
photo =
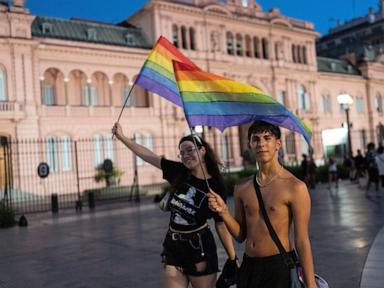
(91, 200)
(54, 203)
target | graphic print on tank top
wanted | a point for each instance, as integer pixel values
(186, 205)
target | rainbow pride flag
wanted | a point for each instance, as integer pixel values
(157, 74)
(220, 102)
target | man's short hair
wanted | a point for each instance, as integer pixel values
(259, 126)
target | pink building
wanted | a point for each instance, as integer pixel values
(64, 80)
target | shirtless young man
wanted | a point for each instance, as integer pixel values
(286, 200)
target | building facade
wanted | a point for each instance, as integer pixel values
(63, 80)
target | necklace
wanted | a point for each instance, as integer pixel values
(270, 180)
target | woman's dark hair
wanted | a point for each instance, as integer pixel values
(211, 161)
(259, 126)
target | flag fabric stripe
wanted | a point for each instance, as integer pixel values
(231, 108)
(157, 74)
(198, 75)
(203, 105)
(160, 70)
(222, 122)
(160, 79)
(157, 88)
(225, 97)
(160, 60)
(228, 86)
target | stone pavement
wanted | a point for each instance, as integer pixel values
(119, 245)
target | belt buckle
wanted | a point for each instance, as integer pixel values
(175, 236)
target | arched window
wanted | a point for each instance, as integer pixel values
(52, 160)
(379, 103)
(290, 146)
(302, 98)
(192, 38)
(326, 104)
(299, 54)
(360, 105)
(65, 153)
(141, 97)
(248, 46)
(3, 86)
(184, 37)
(144, 139)
(124, 95)
(305, 58)
(102, 148)
(224, 153)
(256, 47)
(239, 45)
(265, 48)
(175, 36)
(97, 150)
(230, 49)
(90, 96)
(59, 153)
(294, 59)
(281, 97)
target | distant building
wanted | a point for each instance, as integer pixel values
(63, 80)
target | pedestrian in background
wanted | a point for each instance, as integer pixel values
(380, 165)
(360, 166)
(373, 172)
(312, 170)
(332, 173)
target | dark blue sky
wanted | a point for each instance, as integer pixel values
(323, 13)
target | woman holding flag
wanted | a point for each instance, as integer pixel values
(189, 249)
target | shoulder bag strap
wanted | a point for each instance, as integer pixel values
(287, 259)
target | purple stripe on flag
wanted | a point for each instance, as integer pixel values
(157, 88)
(221, 122)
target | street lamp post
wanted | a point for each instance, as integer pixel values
(345, 100)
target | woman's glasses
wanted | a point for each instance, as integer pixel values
(186, 151)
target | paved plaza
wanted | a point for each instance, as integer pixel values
(119, 245)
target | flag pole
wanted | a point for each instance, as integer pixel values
(125, 103)
(198, 156)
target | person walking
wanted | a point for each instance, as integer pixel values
(189, 250)
(332, 173)
(373, 172)
(380, 165)
(286, 199)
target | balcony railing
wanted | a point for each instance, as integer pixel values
(10, 110)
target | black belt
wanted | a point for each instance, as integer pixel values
(185, 236)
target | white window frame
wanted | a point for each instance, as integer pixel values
(66, 153)
(48, 94)
(379, 103)
(108, 147)
(3, 90)
(52, 158)
(97, 149)
(85, 101)
(302, 98)
(138, 140)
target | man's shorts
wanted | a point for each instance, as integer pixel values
(264, 272)
(184, 251)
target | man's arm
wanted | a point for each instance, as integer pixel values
(301, 209)
(141, 151)
(234, 224)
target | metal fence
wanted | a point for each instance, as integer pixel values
(73, 169)
(73, 163)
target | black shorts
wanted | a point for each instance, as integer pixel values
(264, 272)
(185, 250)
